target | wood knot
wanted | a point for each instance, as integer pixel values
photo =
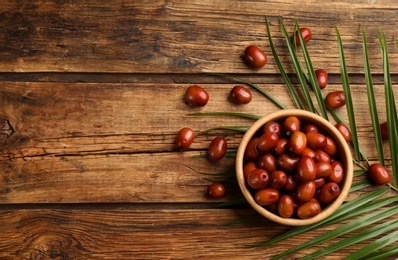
(6, 130)
(55, 246)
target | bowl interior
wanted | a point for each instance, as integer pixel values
(344, 155)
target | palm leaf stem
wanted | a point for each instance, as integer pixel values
(265, 93)
(285, 77)
(390, 108)
(245, 115)
(311, 73)
(299, 72)
(372, 101)
(242, 129)
(347, 94)
(357, 238)
(341, 212)
(344, 229)
(373, 246)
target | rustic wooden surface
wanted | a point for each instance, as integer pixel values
(91, 98)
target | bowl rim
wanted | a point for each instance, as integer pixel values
(326, 126)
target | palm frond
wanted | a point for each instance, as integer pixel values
(288, 83)
(374, 246)
(245, 115)
(357, 238)
(311, 74)
(391, 110)
(262, 91)
(348, 98)
(344, 229)
(352, 206)
(242, 129)
(372, 101)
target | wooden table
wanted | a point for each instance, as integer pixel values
(91, 99)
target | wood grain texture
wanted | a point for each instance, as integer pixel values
(147, 36)
(142, 234)
(91, 98)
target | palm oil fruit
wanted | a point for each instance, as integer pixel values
(322, 77)
(335, 100)
(379, 174)
(217, 148)
(292, 167)
(196, 96)
(184, 138)
(216, 190)
(306, 33)
(255, 57)
(240, 95)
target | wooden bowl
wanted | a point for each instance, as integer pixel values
(344, 156)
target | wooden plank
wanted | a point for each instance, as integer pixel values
(93, 142)
(142, 234)
(174, 36)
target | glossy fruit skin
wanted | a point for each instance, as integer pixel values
(277, 179)
(248, 168)
(267, 142)
(258, 179)
(255, 57)
(319, 182)
(315, 140)
(287, 163)
(267, 162)
(310, 128)
(252, 153)
(322, 77)
(217, 148)
(308, 152)
(335, 100)
(185, 137)
(308, 210)
(290, 184)
(216, 190)
(323, 169)
(384, 130)
(290, 125)
(285, 206)
(379, 174)
(280, 147)
(307, 35)
(329, 192)
(331, 147)
(337, 174)
(344, 131)
(297, 142)
(305, 191)
(196, 96)
(322, 156)
(240, 95)
(266, 196)
(273, 127)
(306, 169)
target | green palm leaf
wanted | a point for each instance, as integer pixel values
(344, 229)
(372, 101)
(348, 98)
(265, 93)
(352, 206)
(311, 74)
(383, 254)
(245, 115)
(357, 238)
(242, 129)
(375, 245)
(288, 83)
(391, 110)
